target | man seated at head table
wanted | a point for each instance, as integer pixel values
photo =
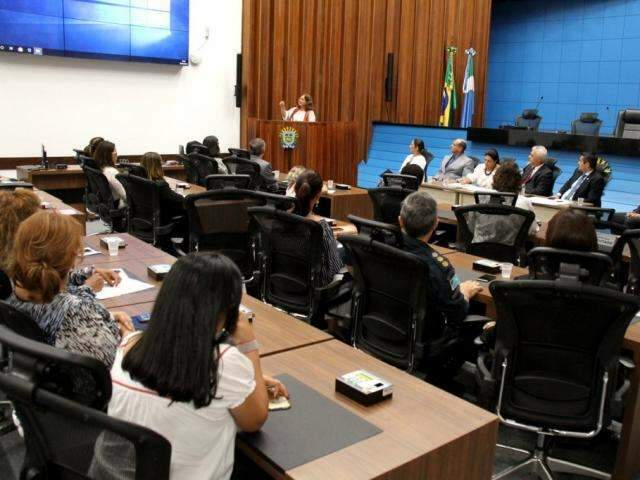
(585, 183)
(448, 297)
(457, 164)
(537, 176)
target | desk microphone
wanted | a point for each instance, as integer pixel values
(538, 104)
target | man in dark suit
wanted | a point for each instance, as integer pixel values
(585, 182)
(537, 176)
(268, 181)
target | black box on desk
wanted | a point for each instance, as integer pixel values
(364, 387)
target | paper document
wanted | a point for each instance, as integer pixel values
(127, 285)
(88, 251)
(67, 211)
(548, 201)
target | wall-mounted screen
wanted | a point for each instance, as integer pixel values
(132, 30)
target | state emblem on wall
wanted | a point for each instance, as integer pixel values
(288, 138)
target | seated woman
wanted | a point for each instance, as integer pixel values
(508, 179)
(308, 191)
(572, 230)
(90, 149)
(193, 376)
(105, 158)
(483, 174)
(213, 147)
(45, 250)
(292, 178)
(417, 156)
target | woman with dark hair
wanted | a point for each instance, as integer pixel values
(417, 155)
(105, 157)
(90, 149)
(302, 113)
(483, 174)
(572, 230)
(194, 375)
(508, 179)
(308, 191)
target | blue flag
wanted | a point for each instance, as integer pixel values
(469, 90)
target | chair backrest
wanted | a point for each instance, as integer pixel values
(99, 195)
(199, 167)
(240, 153)
(133, 169)
(587, 124)
(389, 300)
(387, 202)
(378, 231)
(476, 160)
(493, 231)
(243, 166)
(66, 438)
(292, 248)
(556, 171)
(86, 161)
(601, 217)
(557, 341)
(529, 119)
(194, 146)
(408, 182)
(628, 124)
(545, 263)
(217, 182)
(496, 198)
(143, 201)
(627, 276)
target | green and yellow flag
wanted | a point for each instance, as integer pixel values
(449, 98)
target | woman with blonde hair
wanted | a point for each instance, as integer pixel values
(15, 207)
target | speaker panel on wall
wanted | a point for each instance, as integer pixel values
(388, 82)
(238, 87)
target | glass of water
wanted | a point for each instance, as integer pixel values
(331, 186)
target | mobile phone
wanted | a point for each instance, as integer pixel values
(486, 278)
(142, 318)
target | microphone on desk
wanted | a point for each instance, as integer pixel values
(539, 102)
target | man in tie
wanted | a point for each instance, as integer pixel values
(537, 176)
(585, 182)
(456, 165)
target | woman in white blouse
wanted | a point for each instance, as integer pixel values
(482, 175)
(302, 113)
(417, 156)
(105, 157)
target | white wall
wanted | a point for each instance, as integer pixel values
(62, 102)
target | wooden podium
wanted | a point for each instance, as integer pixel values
(330, 148)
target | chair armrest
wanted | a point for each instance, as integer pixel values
(483, 370)
(339, 289)
(476, 319)
(627, 362)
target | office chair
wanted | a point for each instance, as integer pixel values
(240, 153)
(144, 218)
(133, 169)
(628, 124)
(100, 200)
(86, 161)
(243, 166)
(556, 171)
(493, 231)
(496, 198)
(555, 363)
(602, 218)
(586, 124)
(626, 275)
(387, 202)
(529, 119)
(199, 167)
(218, 182)
(476, 160)
(66, 437)
(291, 262)
(195, 146)
(592, 268)
(378, 231)
(408, 182)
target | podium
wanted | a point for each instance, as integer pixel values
(330, 148)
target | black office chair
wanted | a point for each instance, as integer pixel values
(218, 182)
(86, 161)
(408, 182)
(493, 231)
(626, 275)
(586, 124)
(132, 169)
(66, 438)
(100, 200)
(602, 218)
(496, 198)
(628, 124)
(194, 146)
(387, 202)
(557, 352)
(144, 217)
(291, 262)
(240, 153)
(529, 119)
(378, 231)
(545, 263)
(556, 171)
(476, 160)
(199, 167)
(242, 166)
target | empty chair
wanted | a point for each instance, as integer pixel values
(132, 169)
(602, 217)
(496, 198)
(408, 182)
(529, 119)
(243, 166)
(627, 274)
(628, 124)
(586, 124)
(493, 231)
(387, 202)
(240, 153)
(545, 263)
(217, 182)
(555, 364)
(378, 231)
(100, 200)
(195, 146)
(199, 167)
(61, 433)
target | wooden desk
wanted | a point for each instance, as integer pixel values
(136, 249)
(61, 207)
(192, 190)
(426, 432)
(440, 193)
(342, 203)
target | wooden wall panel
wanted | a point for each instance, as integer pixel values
(336, 50)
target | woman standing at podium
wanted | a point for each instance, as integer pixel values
(302, 113)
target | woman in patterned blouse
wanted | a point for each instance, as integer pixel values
(45, 250)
